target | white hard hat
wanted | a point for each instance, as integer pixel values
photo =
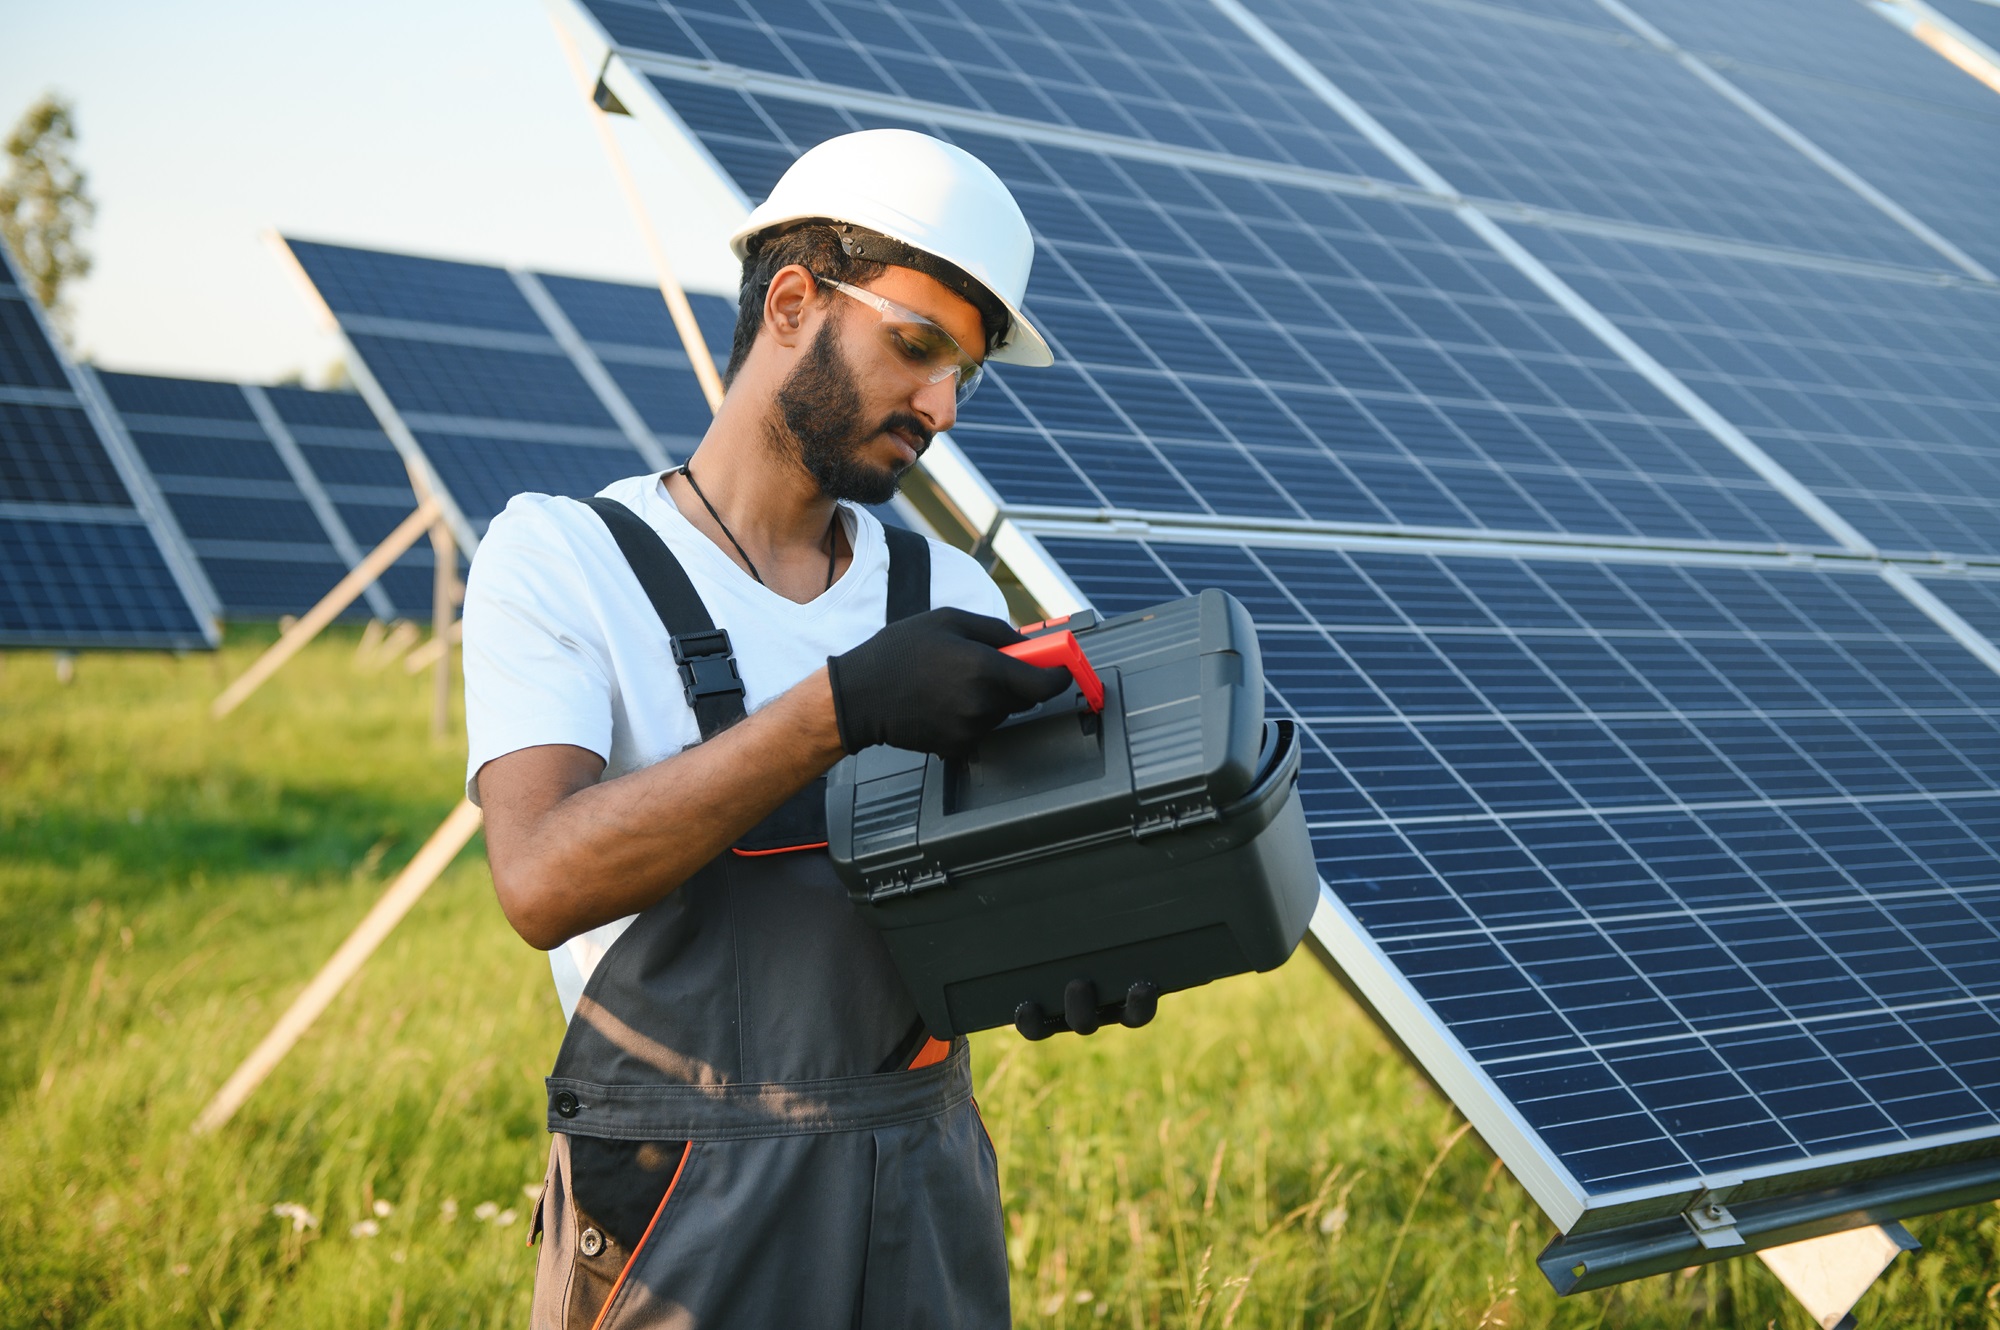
(929, 195)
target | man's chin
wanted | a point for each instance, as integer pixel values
(860, 482)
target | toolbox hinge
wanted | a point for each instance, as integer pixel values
(1173, 819)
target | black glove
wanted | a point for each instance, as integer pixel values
(934, 683)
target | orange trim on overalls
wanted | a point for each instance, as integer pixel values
(934, 1051)
(782, 849)
(631, 1260)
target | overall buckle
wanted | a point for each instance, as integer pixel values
(707, 665)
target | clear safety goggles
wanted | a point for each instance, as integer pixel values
(916, 343)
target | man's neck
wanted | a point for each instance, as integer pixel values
(763, 498)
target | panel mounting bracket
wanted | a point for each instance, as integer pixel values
(1714, 1227)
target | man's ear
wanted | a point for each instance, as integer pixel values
(788, 303)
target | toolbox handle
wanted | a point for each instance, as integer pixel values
(1061, 649)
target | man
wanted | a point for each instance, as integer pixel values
(751, 1125)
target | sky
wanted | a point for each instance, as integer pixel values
(444, 127)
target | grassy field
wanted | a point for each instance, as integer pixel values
(1257, 1157)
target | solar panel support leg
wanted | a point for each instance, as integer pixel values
(444, 604)
(409, 887)
(319, 616)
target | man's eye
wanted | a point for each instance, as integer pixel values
(911, 349)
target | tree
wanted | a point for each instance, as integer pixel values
(44, 203)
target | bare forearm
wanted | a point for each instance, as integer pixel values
(604, 851)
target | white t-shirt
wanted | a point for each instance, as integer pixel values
(562, 646)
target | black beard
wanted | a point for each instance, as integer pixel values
(819, 405)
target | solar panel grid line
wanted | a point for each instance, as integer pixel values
(1468, 1085)
(1179, 76)
(1511, 721)
(1945, 617)
(63, 451)
(452, 334)
(1354, 186)
(1663, 501)
(1676, 389)
(593, 371)
(1560, 291)
(1511, 1161)
(19, 511)
(1557, 1007)
(27, 396)
(146, 497)
(287, 446)
(424, 479)
(1881, 398)
(1819, 156)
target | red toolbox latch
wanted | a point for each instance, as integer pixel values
(1052, 649)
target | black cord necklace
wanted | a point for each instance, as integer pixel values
(832, 545)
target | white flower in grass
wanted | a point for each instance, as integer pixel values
(302, 1218)
(533, 1191)
(485, 1211)
(367, 1228)
(505, 1217)
(448, 1212)
(383, 1209)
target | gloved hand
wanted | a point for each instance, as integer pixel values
(934, 683)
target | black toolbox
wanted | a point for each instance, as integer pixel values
(1081, 863)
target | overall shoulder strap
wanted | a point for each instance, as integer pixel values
(909, 572)
(701, 650)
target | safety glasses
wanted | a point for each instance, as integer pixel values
(914, 342)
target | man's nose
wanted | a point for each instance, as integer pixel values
(937, 403)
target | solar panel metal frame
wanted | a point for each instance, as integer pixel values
(1605, 1240)
(149, 505)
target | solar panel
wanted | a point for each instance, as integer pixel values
(89, 556)
(1663, 834)
(268, 531)
(1698, 867)
(1882, 395)
(494, 383)
(1413, 378)
(1839, 47)
(1579, 120)
(1172, 72)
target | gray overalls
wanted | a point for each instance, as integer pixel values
(751, 1125)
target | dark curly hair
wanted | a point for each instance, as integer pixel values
(816, 246)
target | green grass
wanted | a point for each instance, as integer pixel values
(1256, 1157)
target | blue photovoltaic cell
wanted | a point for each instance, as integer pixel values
(1701, 865)
(1233, 347)
(1882, 396)
(365, 480)
(79, 565)
(1581, 122)
(89, 583)
(398, 286)
(1939, 163)
(1166, 71)
(632, 335)
(263, 547)
(1824, 41)
(496, 404)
